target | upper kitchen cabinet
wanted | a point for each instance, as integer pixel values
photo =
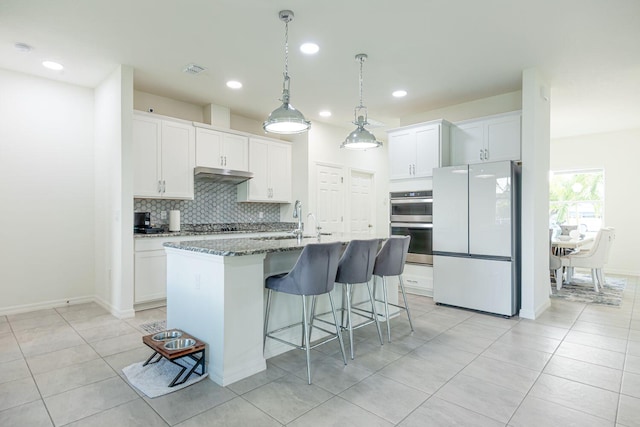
(163, 158)
(489, 139)
(221, 150)
(414, 151)
(270, 162)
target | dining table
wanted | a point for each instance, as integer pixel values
(562, 246)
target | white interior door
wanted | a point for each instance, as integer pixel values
(330, 204)
(361, 200)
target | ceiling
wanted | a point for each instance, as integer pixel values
(442, 52)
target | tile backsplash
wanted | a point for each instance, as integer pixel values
(212, 203)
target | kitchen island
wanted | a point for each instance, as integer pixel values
(215, 291)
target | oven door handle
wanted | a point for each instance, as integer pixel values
(410, 201)
(411, 225)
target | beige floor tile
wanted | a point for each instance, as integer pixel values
(88, 400)
(437, 412)
(536, 412)
(49, 320)
(632, 364)
(61, 358)
(100, 321)
(590, 354)
(18, 392)
(598, 341)
(633, 348)
(385, 397)
(9, 348)
(464, 341)
(111, 330)
(31, 314)
(525, 357)
(410, 370)
(5, 328)
(482, 397)
(530, 327)
(592, 400)
(479, 329)
(133, 413)
(190, 401)
(287, 398)
(339, 412)
(32, 414)
(14, 370)
(119, 344)
(595, 328)
(83, 312)
(631, 385)
(587, 373)
(234, 413)
(121, 360)
(246, 385)
(525, 340)
(70, 377)
(500, 373)
(46, 340)
(629, 411)
(333, 375)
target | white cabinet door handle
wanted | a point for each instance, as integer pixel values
(481, 154)
(486, 154)
(409, 169)
(221, 161)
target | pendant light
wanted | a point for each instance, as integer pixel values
(286, 119)
(360, 139)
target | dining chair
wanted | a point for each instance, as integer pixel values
(594, 259)
(555, 265)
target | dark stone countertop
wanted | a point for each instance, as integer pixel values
(222, 229)
(257, 245)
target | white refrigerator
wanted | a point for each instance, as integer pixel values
(476, 237)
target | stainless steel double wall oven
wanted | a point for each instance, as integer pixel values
(412, 215)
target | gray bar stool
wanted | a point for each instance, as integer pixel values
(313, 274)
(390, 262)
(356, 266)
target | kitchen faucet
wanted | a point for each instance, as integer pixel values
(315, 221)
(297, 213)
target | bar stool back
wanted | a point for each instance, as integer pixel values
(313, 274)
(390, 262)
(356, 266)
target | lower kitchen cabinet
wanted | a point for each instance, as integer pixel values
(418, 279)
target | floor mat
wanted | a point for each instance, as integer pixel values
(154, 326)
(581, 290)
(153, 380)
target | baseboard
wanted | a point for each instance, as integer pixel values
(120, 314)
(44, 305)
(418, 291)
(528, 314)
(151, 304)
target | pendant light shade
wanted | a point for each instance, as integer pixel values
(286, 119)
(361, 138)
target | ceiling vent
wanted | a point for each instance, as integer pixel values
(194, 69)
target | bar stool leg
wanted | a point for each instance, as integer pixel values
(348, 286)
(335, 320)
(375, 313)
(386, 306)
(312, 316)
(344, 298)
(305, 333)
(406, 306)
(266, 320)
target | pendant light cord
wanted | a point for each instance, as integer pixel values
(286, 50)
(361, 62)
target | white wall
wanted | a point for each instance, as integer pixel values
(114, 192)
(324, 147)
(617, 153)
(143, 101)
(46, 188)
(504, 103)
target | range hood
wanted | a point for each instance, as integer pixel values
(221, 175)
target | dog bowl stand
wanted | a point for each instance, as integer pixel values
(196, 353)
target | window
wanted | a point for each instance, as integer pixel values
(577, 198)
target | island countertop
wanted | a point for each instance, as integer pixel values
(258, 245)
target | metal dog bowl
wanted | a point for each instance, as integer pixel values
(166, 335)
(180, 344)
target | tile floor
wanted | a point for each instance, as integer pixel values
(577, 365)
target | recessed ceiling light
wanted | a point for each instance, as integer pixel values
(325, 113)
(309, 48)
(399, 93)
(52, 65)
(233, 84)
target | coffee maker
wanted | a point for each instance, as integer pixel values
(142, 224)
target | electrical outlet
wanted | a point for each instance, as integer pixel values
(163, 214)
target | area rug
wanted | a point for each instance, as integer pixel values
(581, 290)
(154, 326)
(153, 380)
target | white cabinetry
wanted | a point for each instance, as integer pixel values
(163, 158)
(414, 151)
(270, 162)
(489, 139)
(221, 150)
